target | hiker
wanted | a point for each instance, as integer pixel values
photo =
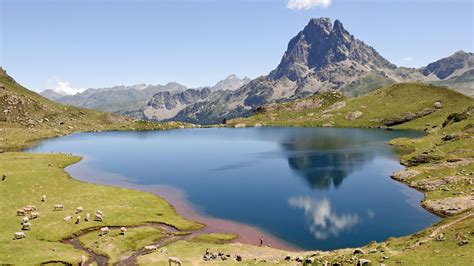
(261, 241)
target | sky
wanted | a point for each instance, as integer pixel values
(73, 45)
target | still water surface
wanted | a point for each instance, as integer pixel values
(316, 188)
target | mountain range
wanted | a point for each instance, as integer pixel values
(324, 56)
(131, 99)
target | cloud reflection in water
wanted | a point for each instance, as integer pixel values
(324, 221)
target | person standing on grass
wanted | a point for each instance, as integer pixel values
(261, 241)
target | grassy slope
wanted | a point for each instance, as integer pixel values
(25, 117)
(377, 106)
(114, 244)
(29, 176)
(57, 182)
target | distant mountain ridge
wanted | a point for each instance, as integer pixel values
(324, 56)
(128, 99)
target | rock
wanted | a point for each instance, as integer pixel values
(449, 137)
(450, 206)
(422, 158)
(406, 117)
(257, 125)
(404, 174)
(335, 106)
(437, 105)
(329, 124)
(309, 260)
(2, 151)
(362, 262)
(287, 258)
(463, 242)
(239, 126)
(353, 115)
(373, 251)
(358, 251)
(299, 259)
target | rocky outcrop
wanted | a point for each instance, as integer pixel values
(450, 206)
(406, 117)
(445, 67)
(351, 116)
(322, 57)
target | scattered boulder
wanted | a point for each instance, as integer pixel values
(351, 116)
(362, 262)
(406, 117)
(422, 158)
(358, 251)
(404, 174)
(258, 125)
(437, 105)
(335, 106)
(450, 206)
(239, 125)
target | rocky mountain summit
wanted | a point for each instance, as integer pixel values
(320, 45)
(322, 57)
(326, 57)
(456, 64)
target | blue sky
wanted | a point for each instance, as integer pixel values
(84, 44)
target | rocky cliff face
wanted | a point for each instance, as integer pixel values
(321, 57)
(457, 63)
(320, 45)
(326, 57)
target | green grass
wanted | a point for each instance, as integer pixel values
(114, 245)
(29, 176)
(376, 107)
(191, 253)
(370, 82)
(31, 117)
(214, 238)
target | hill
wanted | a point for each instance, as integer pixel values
(404, 105)
(26, 116)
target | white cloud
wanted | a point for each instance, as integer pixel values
(324, 222)
(409, 59)
(61, 86)
(307, 4)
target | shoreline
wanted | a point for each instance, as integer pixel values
(247, 234)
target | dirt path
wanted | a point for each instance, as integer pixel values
(438, 230)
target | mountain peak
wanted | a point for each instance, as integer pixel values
(444, 67)
(321, 44)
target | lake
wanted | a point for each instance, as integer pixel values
(315, 188)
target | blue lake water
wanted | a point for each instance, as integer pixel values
(316, 188)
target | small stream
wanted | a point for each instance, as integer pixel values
(102, 260)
